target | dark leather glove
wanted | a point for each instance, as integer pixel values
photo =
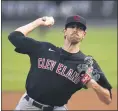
(95, 75)
(85, 73)
(85, 70)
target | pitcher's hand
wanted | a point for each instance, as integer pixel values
(47, 21)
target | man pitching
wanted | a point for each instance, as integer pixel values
(56, 73)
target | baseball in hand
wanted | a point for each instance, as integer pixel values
(48, 20)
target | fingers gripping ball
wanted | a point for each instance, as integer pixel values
(48, 20)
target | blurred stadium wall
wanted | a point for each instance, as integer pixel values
(16, 13)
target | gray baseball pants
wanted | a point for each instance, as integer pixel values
(23, 104)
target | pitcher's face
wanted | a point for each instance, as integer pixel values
(74, 33)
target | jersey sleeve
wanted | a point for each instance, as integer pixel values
(23, 44)
(103, 80)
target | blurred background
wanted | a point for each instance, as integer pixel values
(96, 12)
(100, 41)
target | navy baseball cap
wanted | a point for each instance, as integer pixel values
(76, 19)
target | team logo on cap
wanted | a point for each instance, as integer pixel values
(77, 18)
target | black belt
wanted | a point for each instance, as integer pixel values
(42, 107)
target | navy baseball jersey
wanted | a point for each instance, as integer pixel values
(53, 76)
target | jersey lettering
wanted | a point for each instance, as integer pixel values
(69, 74)
(61, 69)
(40, 62)
(46, 64)
(75, 77)
(52, 65)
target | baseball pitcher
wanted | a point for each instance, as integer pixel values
(56, 73)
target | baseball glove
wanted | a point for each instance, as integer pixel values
(86, 71)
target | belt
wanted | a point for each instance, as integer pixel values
(39, 105)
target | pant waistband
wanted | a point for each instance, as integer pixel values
(39, 105)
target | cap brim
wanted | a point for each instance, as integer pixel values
(79, 23)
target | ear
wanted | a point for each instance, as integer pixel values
(64, 31)
(84, 34)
